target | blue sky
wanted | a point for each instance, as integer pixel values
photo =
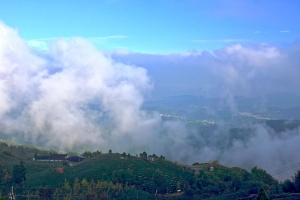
(160, 26)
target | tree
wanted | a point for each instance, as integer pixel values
(76, 185)
(296, 180)
(288, 186)
(45, 193)
(178, 186)
(66, 185)
(154, 156)
(92, 183)
(262, 176)
(84, 182)
(143, 155)
(159, 181)
(262, 194)
(1, 175)
(189, 193)
(19, 172)
(6, 175)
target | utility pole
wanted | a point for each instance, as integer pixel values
(12, 195)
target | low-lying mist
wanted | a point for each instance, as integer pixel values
(73, 97)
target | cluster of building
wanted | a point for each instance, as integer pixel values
(59, 157)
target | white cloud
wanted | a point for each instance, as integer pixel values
(250, 70)
(72, 95)
(285, 31)
(71, 92)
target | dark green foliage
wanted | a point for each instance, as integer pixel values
(262, 176)
(288, 186)
(1, 175)
(155, 156)
(19, 172)
(45, 193)
(223, 180)
(7, 153)
(11, 153)
(143, 155)
(109, 177)
(262, 195)
(64, 163)
(297, 181)
(136, 194)
(189, 193)
(159, 181)
(89, 154)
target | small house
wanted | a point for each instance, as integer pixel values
(60, 170)
(52, 157)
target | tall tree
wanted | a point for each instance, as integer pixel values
(84, 182)
(143, 155)
(288, 186)
(76, 185)
(296, 179)
(45, 193)
(19, 172)
(262, 195)
(1, 175)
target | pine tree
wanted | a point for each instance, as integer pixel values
(262, 195)
(84, 182)
(66, 185)
(76, 185)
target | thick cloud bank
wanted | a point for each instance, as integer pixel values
(72, 96)
(247, 70)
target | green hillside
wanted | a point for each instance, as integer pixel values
(121, 176)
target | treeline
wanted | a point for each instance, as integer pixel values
(122, 176)
(24, 152)
(82, 190)
(237, 183)
(292, 186)
(144, 155)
